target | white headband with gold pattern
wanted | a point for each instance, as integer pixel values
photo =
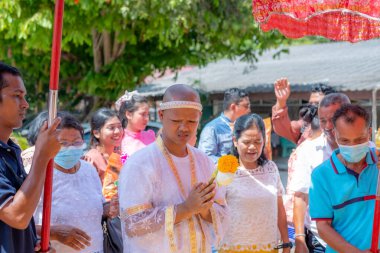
(180, 104)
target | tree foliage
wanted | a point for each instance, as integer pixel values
(112, 45)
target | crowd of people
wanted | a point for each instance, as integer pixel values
(154, 193)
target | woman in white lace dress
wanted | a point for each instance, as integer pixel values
(77, 201)
(255, 196)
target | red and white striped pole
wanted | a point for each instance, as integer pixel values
(53, 97)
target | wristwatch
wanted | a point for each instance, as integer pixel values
(285, 245)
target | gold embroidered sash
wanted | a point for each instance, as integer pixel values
(173, 168)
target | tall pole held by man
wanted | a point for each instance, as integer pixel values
(53, 96)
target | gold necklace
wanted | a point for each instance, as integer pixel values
(173, 167)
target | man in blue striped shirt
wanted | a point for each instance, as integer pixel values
(342, 195)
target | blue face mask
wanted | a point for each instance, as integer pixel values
(67, 157)
(354, 154)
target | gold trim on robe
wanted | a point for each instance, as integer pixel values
(136, 209)
(193, 236)
(215, 223)
(169, 227)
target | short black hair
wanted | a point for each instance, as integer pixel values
(334, 98)
(69, 121)
(322, 88)
(309, 114)
(4, 68)
(98, 120)
(350, 113)
(233, 96)
(244, 123)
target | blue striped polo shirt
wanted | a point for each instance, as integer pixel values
(346, 198)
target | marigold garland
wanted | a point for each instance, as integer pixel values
(228, 164)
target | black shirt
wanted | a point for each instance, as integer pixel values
(12, 175)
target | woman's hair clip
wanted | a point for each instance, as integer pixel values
(126, 97)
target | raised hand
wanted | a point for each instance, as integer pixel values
(282, 91)
(70, 236)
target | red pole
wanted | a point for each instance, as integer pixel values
(376, 227)
(376, 220)
(53, 92)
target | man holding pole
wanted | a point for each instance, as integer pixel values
(343, 191)
(19, 195)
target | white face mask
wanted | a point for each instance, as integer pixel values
(355, 153)
(67, 157)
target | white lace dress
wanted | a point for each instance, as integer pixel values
(77, 201)
(252, 201)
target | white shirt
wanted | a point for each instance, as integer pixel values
(77, 201)
(311, 155)
(148, 193)
(252, 201)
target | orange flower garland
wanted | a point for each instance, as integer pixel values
(228, 164)
(225, 170)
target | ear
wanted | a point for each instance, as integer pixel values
(233, 107)
(161, 115)
(96, 133)
(128, 115)
(234, 141)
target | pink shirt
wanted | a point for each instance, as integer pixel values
(134, 141)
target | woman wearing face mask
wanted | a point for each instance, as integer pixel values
(255, 196)
(134, 114)
(77, 204)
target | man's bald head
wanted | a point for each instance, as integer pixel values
(180, 112)
(181, 92)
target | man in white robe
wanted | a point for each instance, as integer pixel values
(166, 202)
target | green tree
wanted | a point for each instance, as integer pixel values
(110, 46)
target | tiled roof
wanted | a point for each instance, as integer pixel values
(343, 65)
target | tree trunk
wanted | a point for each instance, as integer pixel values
(96, 49)
(107, 47)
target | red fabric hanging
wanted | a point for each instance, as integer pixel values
(353, 21)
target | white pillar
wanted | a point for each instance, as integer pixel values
(374, 113)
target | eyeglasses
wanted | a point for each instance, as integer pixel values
(246, 106)
(70, 144)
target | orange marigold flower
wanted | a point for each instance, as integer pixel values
(228, 164)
